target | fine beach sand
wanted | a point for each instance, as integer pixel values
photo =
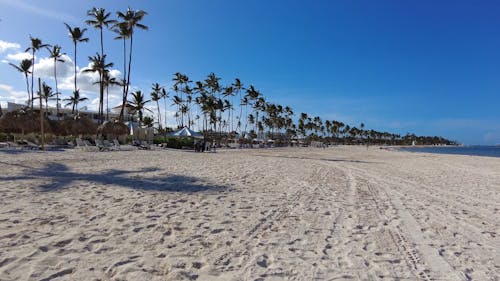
(342, 213)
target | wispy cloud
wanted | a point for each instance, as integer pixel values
(32, 9)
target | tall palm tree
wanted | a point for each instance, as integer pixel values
(74, 101)
(76, 35)
(36, 44)
(156, 95)
(24, 67)
(131, 20)
(99, 65)
(124, 33)
(238, 89)
(55, 53)
(137, 104)
(99, 19)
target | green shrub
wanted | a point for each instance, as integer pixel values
(6, 137)
(174, 142)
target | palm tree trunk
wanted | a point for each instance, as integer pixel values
(107, 104)
(75, 67)
(27, 86)
(101, 98)
(101, 89)
(57, 92)
(124, 97)
(165, 104)
(128, 75)
(102, 45)
(32, 78)
(159, 114)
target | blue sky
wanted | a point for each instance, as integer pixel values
(427, 67)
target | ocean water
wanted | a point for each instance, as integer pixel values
(490, 151)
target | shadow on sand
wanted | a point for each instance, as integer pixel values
(56, 176)
(17, 151)
(318, 159)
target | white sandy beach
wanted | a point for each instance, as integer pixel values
(343, 213)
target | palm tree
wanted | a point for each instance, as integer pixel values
(36, 44)
(76, 35)
(156, 95)
(99, 19)
(55, 53)
(46, 95)
(252, 95)
(108, 81)
(138, 103)
(99, 65)
(124, 33)
(131, 20)
(74, 101)
(181, 82)
(238, 88)
(24, 67)
(148, 121)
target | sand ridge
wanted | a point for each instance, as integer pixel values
(342, 213)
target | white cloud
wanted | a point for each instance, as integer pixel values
(19, 56)
(4, 46)
(45, 68)
(9, 94)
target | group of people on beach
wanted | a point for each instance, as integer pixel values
(202, 146)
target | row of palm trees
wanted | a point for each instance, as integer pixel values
(100, 19)
(212, 106)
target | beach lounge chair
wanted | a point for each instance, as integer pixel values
(100, 144)
(29, 145)
(85, 145)
(117, 144)
(108, 144)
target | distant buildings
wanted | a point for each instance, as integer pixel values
(66, 112)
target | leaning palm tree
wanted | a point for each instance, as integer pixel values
(137, 104)
(24, 67)
(36, 44)
(76, 35)
(74, 101)
(131, 20)
(156, 95)
(99, 65)
(99, 19)
(55, 53)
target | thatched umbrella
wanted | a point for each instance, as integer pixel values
(59, 127)
(23, 121)
(81, 125)
(113, 128)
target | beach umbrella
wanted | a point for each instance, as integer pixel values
(186, 132)
(59, 127)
